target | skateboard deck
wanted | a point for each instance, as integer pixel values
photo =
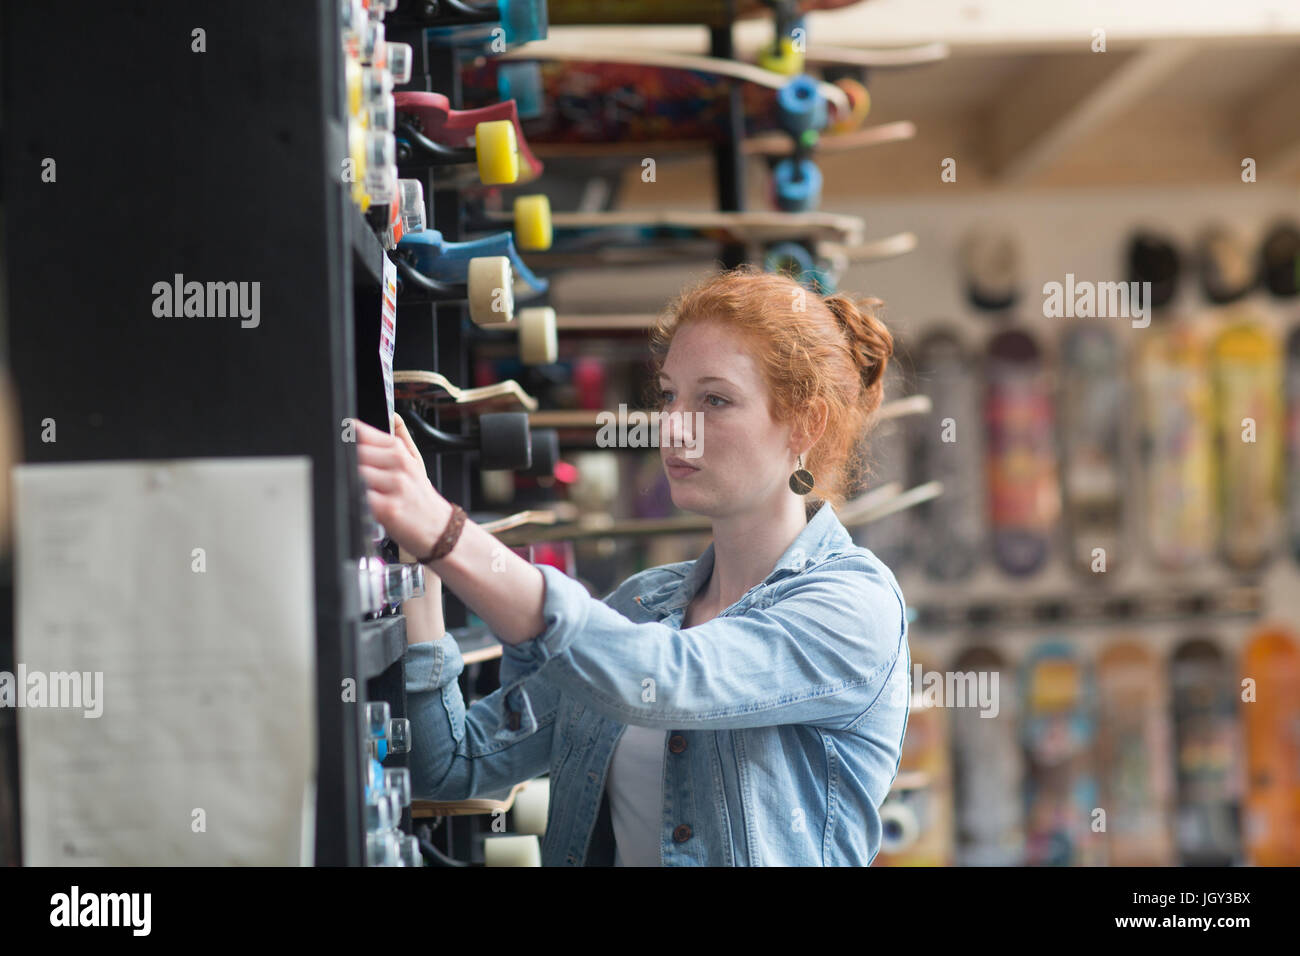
(431, 115)
(1206, 735)
(763, 144)
(953, 536)
(1024, 498)
(988, 771)
(716, 13)
(891, 538)
(1247, 370)
(1058, 734)
(1173, 378)
(605, 95)
(433, 387)
(916, 816)
(1292, 438)
(1093, 403)
(1272, 729)
(1133, 756)
(578, 231)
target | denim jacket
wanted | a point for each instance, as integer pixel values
(785, 713)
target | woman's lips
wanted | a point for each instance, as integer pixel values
(677, 468)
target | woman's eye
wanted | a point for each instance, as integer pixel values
(665, 397)
(716, 401)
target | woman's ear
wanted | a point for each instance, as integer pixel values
(810, 427)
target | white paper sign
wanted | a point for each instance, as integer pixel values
(187, 587)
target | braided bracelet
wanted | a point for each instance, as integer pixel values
(449, 537)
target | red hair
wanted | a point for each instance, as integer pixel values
(810, 349)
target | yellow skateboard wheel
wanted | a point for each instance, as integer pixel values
(497, 152)
(787, 61)
(533, 222)
(537, 339)
(859, 103)
(491, 291)
(352, 75)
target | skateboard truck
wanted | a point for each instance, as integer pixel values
(503, 442)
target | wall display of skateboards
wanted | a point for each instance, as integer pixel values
(1103, 752)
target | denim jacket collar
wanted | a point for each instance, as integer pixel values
(821, 535)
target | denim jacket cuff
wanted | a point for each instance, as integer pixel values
(564, 612)
(431, 665)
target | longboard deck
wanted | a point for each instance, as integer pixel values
(1272, 805)
(1093, 403)
(1133, 756)
(761, 144)
(1206, 743)
(988, 770)
(715, 13)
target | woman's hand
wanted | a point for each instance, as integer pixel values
(401, 497)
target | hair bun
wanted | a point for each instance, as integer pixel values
(869, 340)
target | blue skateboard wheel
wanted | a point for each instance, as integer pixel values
(798, 185)
(521, 81)
(801, 106)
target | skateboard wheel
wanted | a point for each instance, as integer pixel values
(523, 20)
(533, 222)
(800, 106)
(537, 338)
(790, 258)
(521, 81)
(786, 60)
(410, 198)
(491, 291)
(859, 105)
(546, 452)
(352, 77)
(532, 805)
(1280, 260)
(899, 827)
(497, 152)
(504, 441)
(798, 185)
(523, 850)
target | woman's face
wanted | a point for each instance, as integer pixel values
(720, 447)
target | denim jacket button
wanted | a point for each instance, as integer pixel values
(682, 833)
(676, 743)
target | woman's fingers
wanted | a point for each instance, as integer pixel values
(380, 479)
(404, 435)
(381, 457)
(369, 435)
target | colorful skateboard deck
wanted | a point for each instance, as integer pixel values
(1133, 756)
(1206, 742)
(916, 816)
(988, 770)
(1058, 733)
(715, 13)
(1093, 404)
(1024, 498)
(1173, 377)
(948, 451)
(504, 155)
(1272, 729)
(1248, 407)
(655, 97)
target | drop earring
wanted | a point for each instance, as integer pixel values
(801, 482)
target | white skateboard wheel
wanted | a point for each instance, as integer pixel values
(512, 851)
(537, 340)
(531, 806)
(899, 827)
(491, 291)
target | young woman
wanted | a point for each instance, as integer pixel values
(743, 709)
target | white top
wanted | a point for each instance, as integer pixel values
(636, 796)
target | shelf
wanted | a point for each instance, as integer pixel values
(476, 644)
(367, 253)
(383, 642)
